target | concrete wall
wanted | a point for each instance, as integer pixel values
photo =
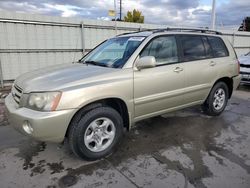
(29, 42)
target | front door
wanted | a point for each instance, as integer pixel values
(159, 89)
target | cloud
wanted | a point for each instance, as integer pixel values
(177, 4)
(66, 10)
(233, 12)
(167, 12)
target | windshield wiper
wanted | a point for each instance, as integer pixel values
(95, 63)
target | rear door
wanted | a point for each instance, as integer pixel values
(199, 65)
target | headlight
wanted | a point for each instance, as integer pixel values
(47, 101)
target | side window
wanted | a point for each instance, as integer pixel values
(193, 48)
(163, 48)
(209, 50)
(218, 46)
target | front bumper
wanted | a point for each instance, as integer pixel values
(245, 77)
(47, 126)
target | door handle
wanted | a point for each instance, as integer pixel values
(212, 63)
(178, 69)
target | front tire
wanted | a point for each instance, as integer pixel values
(217, 100)
(96, 134)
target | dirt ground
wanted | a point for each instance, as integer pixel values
(181, 149)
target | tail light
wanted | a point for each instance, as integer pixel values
(238, 66)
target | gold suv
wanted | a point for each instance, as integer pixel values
(124, 80)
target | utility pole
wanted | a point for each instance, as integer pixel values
(115, 17)
(120, 10)
(213, 15)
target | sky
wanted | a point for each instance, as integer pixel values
(195, 13)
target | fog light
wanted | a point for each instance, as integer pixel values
(27, 127)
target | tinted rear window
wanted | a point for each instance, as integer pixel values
(218, 46)
(193, 48)
(208, 48)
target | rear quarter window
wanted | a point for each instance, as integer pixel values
(218, 46)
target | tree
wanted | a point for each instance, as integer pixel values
(245, 25)
(134, 16)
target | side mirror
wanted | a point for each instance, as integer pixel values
(145, 62)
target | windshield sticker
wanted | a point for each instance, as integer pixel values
(136, 38)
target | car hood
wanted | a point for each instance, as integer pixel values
(244, 60)
(62, 76)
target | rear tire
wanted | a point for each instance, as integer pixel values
(217, 100)
(96, 134)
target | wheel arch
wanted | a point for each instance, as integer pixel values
(118, 104)
(229, 82)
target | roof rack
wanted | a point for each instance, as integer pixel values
(133, 32)
(200, 30)
(187, 30)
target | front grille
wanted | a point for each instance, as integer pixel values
(241, 72)
(16, 93)
(245, 79)
(244, 65)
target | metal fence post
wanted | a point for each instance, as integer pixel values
(1, 74)
(82, 38)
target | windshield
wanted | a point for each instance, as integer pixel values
(114, 52)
